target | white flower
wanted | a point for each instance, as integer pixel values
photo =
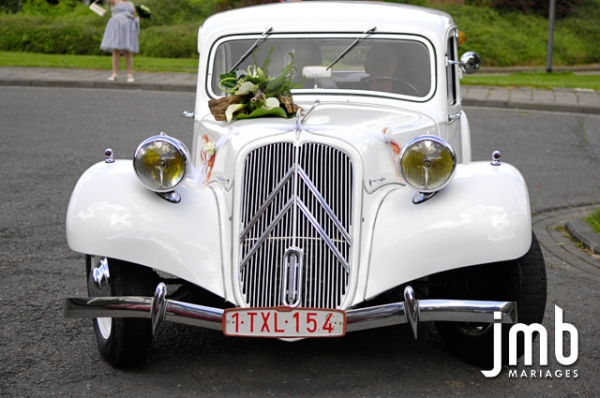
(231, 109)
(209, 148)
(271, 103)
(245, 88)
(387, 134)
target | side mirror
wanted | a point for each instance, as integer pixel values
(470, 62)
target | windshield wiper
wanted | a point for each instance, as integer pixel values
(262, 37)
(351, 46)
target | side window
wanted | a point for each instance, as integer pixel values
(451, 70)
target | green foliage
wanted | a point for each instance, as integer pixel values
(501, 37)
(43, 8)
(422, 3)
(177, 12)
(282, 84)
(562, 8)
(47, 35)
(536, 79)
(179, 41)
(9, 6)
(82, 35)
(511, 38)
(594, 220)
(39, 60)
(578, 37)
(255, 93)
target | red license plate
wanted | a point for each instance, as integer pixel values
(284, 322)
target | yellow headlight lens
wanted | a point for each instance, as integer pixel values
(161, 163)
(427, 163)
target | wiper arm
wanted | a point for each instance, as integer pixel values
(351, 46)
(262, 37)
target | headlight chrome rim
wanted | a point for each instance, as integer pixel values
(443, 146)
(177, 149)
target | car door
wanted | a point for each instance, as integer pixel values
(455, 117)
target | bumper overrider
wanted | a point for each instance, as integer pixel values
(411, 311)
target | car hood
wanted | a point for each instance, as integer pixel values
(363, 116)
(373, 132)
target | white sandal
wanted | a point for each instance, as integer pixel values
(113, 78)
(130, 79)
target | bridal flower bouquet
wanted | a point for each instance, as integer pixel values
(253, 93)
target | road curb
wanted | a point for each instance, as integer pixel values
(584, 233)
(532, 106)
(98, 84)
(560, 250)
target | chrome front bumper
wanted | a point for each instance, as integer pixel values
(411, 311)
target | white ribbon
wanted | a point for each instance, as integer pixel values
(197, 173)
(284, 128)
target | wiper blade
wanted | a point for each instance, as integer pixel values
(351, 46)
(262, 37)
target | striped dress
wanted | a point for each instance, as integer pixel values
(121, 31)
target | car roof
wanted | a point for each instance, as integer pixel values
(329, 16)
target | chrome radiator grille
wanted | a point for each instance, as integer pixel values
(296, 214)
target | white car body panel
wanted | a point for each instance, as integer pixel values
(112, 214)
(482, 216)
(396, 234)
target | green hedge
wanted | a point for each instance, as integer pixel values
(83, 36)
(170, 41)
(45, 35)
(501, 38)
(507, 39)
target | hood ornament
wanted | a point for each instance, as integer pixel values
(300, 119)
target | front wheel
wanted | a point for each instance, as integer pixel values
(123, 342)
(522, 280)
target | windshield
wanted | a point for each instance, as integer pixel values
(387, 64)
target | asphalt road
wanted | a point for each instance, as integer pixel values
(49, 136)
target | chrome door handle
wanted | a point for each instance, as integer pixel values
(454, 117)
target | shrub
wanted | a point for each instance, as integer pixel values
(540, 7)
(83, 36)
(45, 35)
(170, 41)
(45, 8)
(176, 12)
(502, 38)
(9, 6)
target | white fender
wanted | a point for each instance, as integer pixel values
(482, 216)
(112, 214)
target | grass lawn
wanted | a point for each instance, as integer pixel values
(140, 63)
(537, 80)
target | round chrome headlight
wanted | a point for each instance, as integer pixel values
(427, 163)
(161, 163)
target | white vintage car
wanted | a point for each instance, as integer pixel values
(349, 202)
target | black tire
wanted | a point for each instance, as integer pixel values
(123, 342)
(522, 280)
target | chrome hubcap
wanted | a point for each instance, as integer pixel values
(105, 327)
(100, 285)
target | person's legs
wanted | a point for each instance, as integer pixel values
(116, 55)
(129, 63)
